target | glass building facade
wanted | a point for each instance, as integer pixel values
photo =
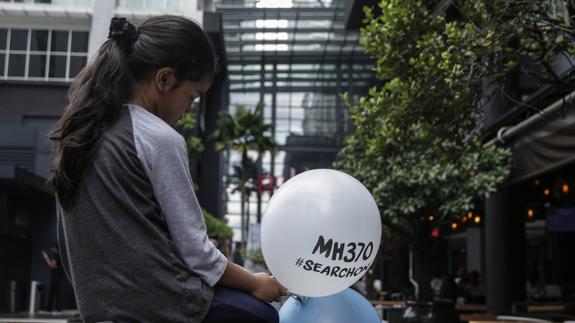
(297, 58)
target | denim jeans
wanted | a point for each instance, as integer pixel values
(233, 306)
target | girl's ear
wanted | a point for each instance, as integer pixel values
(165, 79)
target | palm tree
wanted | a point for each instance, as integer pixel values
(245, 178)
(243, 131)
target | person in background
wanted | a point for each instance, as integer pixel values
(227, 248)
(360, 287)
(474, 291)
(237, 255)
(57, 277)
(448, 288)
(436, 283)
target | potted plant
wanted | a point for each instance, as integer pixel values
(417, 143)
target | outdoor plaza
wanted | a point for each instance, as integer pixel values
(457, 117)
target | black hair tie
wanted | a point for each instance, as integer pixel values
(124, 33)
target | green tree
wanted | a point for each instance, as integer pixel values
(248, 175)
(243, 131)
(187, 127)
(417, 144)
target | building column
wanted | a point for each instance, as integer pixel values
(102, 13)
(497, 251)
(474, 245)
(504, 252)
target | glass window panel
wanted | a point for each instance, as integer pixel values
(59, 41)
(281, 137)
(76, 64)
(175, 5)
(83, 2)
(79, 41)
(156, 4)
(3, 38)
(16, 64)
(37, 67)
(314, 23)
(312, 36)
(39, 40)
(282, 113)
(18, 39)
(136, 4)
(2, 61)
(282, 126)
(57, 66)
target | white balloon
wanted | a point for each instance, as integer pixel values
(320, 232)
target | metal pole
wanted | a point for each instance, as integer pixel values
(505, 133)
(259, 161)
(274, 107)
(34, 301)
(411, 278)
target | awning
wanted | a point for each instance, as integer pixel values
(547, 144)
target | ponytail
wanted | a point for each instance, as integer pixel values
(95, 98)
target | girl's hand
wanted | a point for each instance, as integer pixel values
(267, 288)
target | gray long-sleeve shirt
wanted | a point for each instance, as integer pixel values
(135, 242)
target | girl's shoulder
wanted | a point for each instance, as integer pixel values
(150, 129)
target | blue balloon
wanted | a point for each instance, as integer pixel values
(347, 306)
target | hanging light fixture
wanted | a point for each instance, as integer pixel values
(477, 219)
(530, 213)
(565, 188)
(546, 192)
(454, 225)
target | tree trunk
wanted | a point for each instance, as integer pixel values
(243, 196)
(259, 195)
(248, 214)
(242, 210)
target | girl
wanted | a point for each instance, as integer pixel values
(131, 232)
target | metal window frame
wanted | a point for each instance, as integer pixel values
(48, 54)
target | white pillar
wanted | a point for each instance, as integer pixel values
(102, 13)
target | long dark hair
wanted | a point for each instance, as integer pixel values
(98, 92)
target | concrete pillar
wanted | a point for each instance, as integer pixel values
(504, 251)
(399, 267)
(474, 249)
(497, 252)
(102, 13)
